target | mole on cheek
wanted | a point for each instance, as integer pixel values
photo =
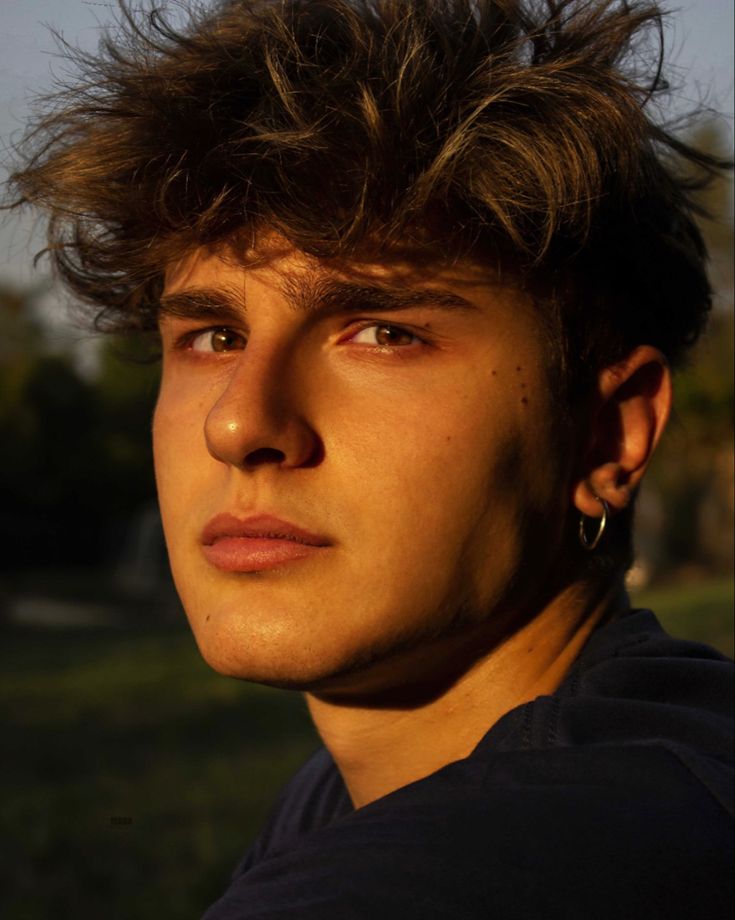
(524, 400)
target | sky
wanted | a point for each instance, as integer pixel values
(699, 36)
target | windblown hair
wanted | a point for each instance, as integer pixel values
(515, 131)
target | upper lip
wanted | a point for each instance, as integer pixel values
(263, 526)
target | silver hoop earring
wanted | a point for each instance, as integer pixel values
(591, 544)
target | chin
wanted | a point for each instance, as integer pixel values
(335, 665)
(307, 636)
(276, 653)
(293, 650)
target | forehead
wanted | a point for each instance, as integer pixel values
(392, 281)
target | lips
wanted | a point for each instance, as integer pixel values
(257, 543)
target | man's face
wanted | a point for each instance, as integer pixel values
(394, 422)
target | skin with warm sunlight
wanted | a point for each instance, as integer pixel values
(359, 470)
(414, 440)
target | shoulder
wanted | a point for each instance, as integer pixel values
(608, 799)
(564, 835)
(636, 687)
(313, 798)
(567, 832)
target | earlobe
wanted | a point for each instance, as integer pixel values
(604, 483)
(633, 405)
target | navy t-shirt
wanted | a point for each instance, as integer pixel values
(611, 798)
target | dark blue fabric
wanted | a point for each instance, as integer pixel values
(612, 798)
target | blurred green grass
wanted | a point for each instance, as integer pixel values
(135, 777)
(700, 610)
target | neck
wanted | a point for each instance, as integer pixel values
(379, 747)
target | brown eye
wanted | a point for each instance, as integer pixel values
(393, 335)
(225, 340)
(385, 336)
(218, 340)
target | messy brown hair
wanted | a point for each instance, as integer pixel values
(519, 130)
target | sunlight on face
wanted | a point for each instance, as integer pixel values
(348, 460)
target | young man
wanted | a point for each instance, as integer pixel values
(420, 271)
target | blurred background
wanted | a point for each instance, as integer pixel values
(135, 777)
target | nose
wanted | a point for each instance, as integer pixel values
(257, 420)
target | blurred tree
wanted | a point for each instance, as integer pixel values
(692, 472)
(76, 453)
(690, 485)
(126, 388)
(717, 201)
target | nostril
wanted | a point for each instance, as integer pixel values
(316, 455)
(264, 455)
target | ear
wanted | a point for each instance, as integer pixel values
(627, 420)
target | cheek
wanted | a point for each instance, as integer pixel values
(439, 512)
(462, 460)
(167, 437)
(179, 450)
(426, 465)
(167, 459)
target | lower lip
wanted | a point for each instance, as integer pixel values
(254, 554)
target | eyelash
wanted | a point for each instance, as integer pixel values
(395, 328)
(186, 341)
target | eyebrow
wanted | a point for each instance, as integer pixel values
(200, 304)
(331, 296)
(321, 297)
